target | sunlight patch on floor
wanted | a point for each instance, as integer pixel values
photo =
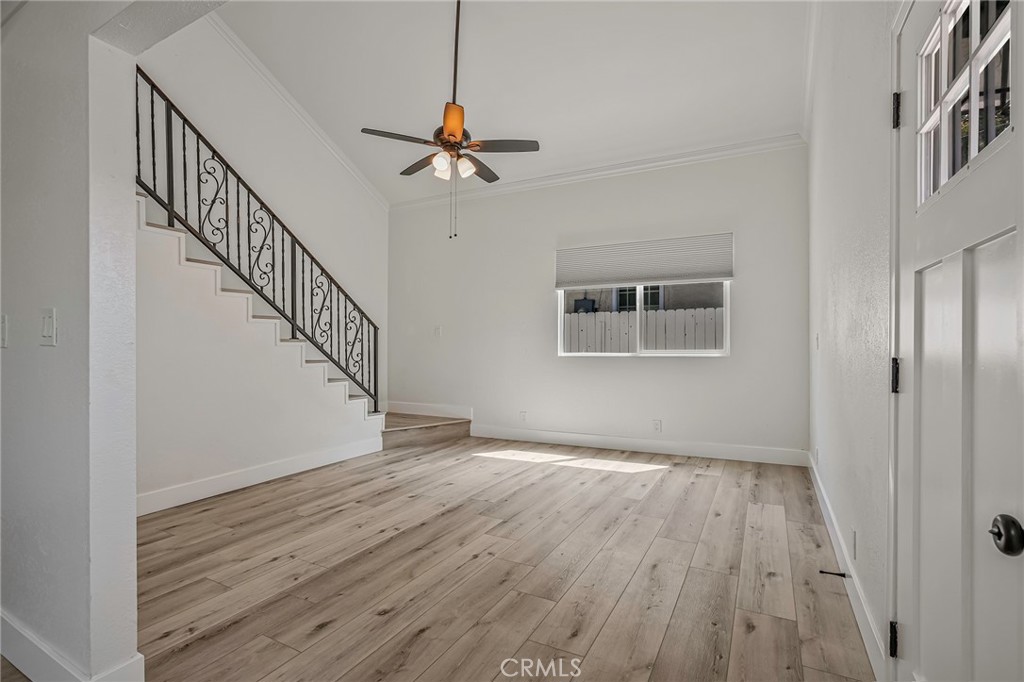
(523, 456)
(567, 461)
(611, 465)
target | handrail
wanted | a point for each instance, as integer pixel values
(173, 141)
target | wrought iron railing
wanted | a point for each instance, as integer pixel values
(201, 192)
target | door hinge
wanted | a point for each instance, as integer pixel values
(895, 380)
(894, 639)
(897, 100)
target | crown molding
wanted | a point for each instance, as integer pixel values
(628, 168)
(232, 39)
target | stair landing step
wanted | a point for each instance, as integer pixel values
(394, 421)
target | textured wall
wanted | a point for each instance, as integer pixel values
(849, 243)
(68, 436)
(492, 293)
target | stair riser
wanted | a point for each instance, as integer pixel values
(426, 435)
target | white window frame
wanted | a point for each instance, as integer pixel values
(982, 51)
(725, 351)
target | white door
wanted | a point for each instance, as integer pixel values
(959, 446)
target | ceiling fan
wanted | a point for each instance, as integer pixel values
(454, 140)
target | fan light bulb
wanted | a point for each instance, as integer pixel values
(442, 162)
(445, 174)
(466, 167)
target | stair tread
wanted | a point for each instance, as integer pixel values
(204, 261)
(180, 230)
(404, 422)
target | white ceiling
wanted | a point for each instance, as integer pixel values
(597, 83)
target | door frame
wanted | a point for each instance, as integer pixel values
(897, 568)
(892, 559)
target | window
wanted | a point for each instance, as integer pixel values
(625, 298)
(964, 89)
(675, 299)
(678, 319)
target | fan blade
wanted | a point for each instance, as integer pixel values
(419, 165)
(505, 146)
(398, 136)
(454, 118)
(483, 171)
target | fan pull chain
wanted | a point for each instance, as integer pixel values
(453, 208)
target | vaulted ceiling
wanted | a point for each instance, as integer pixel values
(597, 83)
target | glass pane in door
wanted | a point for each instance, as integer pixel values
(994, 97)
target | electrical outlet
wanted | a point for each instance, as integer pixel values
(437, 331)
(853, 544)
(522, 416)
(656, 425)
(817, 456)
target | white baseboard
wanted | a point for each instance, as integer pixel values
(175, 495)
(39, 661)
(431, 409)
(747, 453)
(874, 640)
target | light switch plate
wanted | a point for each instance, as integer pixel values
(48, 332)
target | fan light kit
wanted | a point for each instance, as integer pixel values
(454, 140)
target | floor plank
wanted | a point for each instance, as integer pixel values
(629, 642)
(800, 500)
(575, 623)
(182, 662)
(361, 631)
(550, 533)
(766, 485)
(764, 648)
(556, 573)
(479, 653)
(812, 675)
(686, 518)
(700, 630)
(829, 638)
(720, 546)
(178, 600)
(414, 649)
(766, 581)
(246, 662)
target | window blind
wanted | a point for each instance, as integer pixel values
(659, 260)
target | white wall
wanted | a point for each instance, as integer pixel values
(225, 93)
(221, 403)
(68, 437)
(491, 291)
(849, 155)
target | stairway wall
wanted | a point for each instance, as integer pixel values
(222, 404)
(278, 150)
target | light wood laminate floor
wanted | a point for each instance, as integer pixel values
(438, 563)
(8, 673)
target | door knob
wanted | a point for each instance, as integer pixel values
(1007, 534)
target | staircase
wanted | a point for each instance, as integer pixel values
(188, 189)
